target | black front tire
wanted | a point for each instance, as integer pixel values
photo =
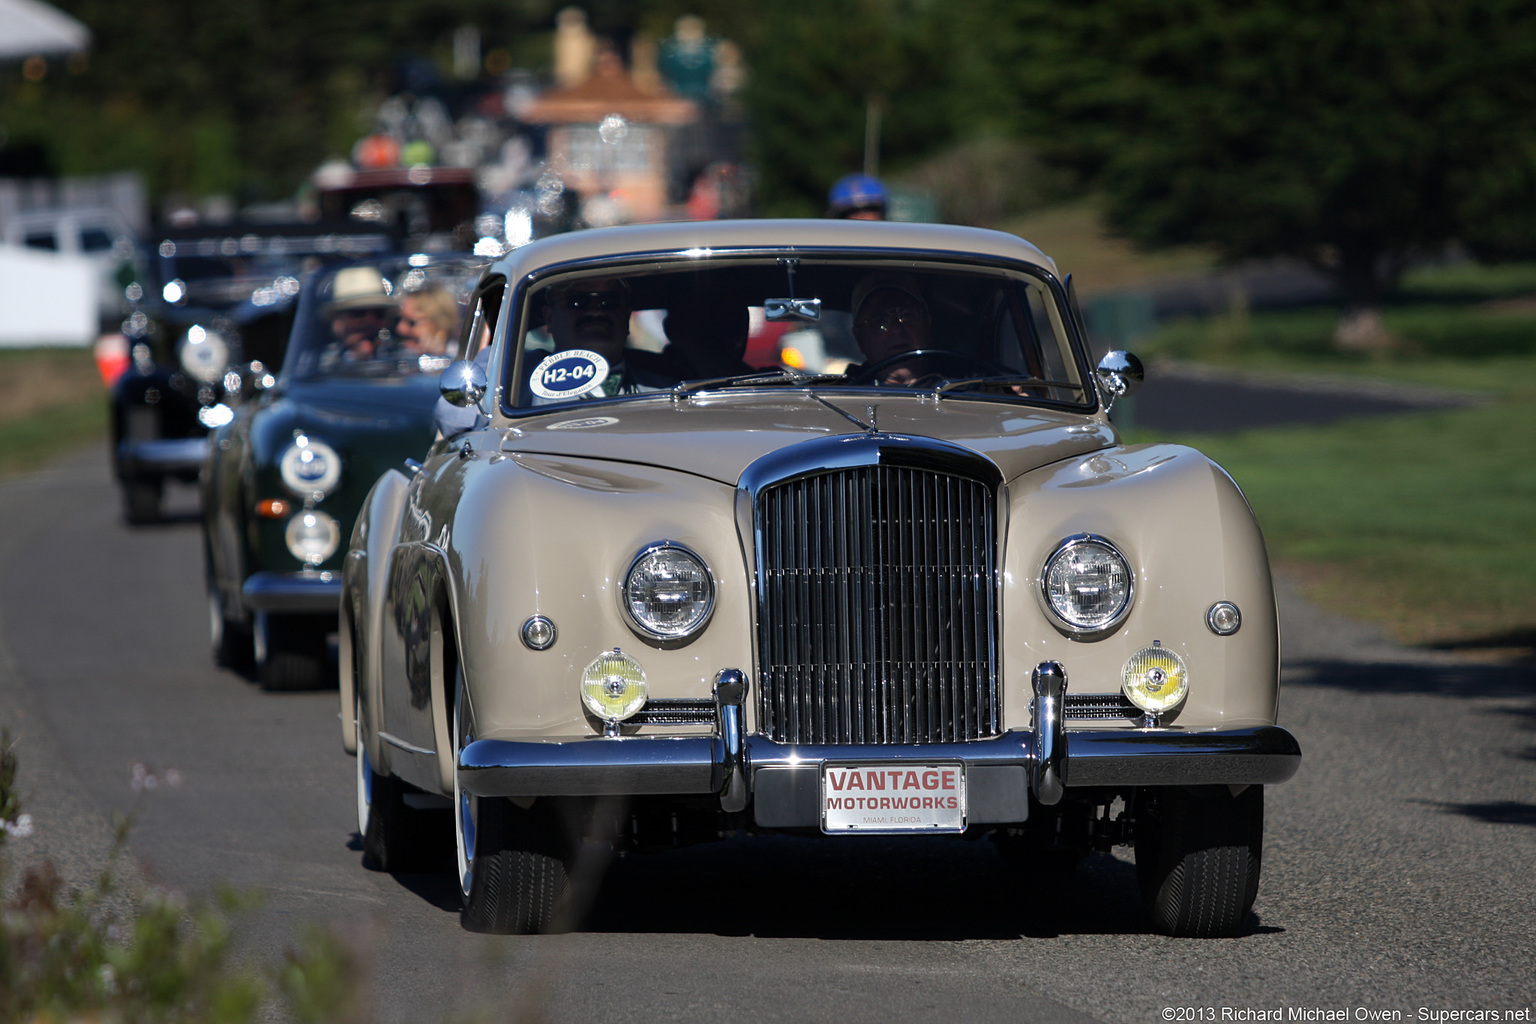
(520, 883)
(141, 501)
(297, 656)
(230, 638)
(1198, 854)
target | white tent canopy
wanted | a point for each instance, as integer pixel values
(31, 28)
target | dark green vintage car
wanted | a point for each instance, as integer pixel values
(285, 478)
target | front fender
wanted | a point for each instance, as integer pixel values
(554, 536)
(1191, 540)
(364, 579)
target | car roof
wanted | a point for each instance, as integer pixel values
(940, 239)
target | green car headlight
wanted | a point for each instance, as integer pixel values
(309, 467)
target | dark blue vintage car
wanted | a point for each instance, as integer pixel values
(211, 317)
(284, 478)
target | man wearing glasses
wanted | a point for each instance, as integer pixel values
(889, 318)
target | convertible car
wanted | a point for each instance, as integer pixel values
(642, 592)
(286, 473)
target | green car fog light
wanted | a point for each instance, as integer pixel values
(312, 537)
(613, 686)
(1155, 679)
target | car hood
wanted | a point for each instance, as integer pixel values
(717, 436)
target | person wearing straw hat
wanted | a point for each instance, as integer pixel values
(362, 312)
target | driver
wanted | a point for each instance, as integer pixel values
(890, 318)
(361, 312)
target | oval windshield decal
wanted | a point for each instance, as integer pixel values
(569, 374)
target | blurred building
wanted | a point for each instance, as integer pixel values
(608, 139)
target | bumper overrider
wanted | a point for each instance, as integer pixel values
(311, 591)
(783, 780)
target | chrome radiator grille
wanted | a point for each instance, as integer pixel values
(877, 612)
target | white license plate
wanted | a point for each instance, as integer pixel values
(893, 798)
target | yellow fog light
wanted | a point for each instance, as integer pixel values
(1155, 679)
(613, 686)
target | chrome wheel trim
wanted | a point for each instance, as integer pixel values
(364, 773)
(215, 618)
(464, 804)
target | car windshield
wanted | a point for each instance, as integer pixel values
(385, 318)
(799, 322)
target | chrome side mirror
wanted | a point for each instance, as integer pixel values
(463, 384)
(1120, 375)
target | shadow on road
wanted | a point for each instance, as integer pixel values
(874, 889)
(1501, 812)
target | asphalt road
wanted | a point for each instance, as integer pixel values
(1399, 874)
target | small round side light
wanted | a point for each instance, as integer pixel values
(539, 633)
(1224, 618)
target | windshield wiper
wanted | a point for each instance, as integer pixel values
(781, 375)
(1004, 380)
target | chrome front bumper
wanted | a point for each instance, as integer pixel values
(783, 781)
(162, 457)
(293, 592)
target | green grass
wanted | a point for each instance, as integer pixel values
(1419, 521)
(51, 402)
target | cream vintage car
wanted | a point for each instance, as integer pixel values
(642, 591)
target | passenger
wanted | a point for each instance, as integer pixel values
(706, 337)
(428, 319)
(593, 314)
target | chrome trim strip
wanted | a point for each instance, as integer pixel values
(396, 741)
(293, 591)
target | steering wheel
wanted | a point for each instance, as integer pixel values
(941, 363)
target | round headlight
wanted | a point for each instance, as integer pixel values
(613, 686)
(203, 354)
(668, 592)
(310, 467)
(1155, 679)
(312, 537)
(1087, 585)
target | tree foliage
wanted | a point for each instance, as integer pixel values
(238, 98)
(816, 68)
(1351, 133)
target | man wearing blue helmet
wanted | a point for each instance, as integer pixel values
(857, 197)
